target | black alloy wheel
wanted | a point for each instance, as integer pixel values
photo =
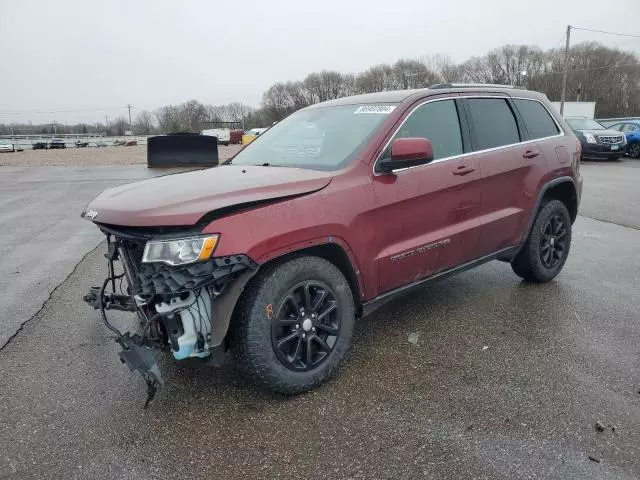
(306, 326)
(553, 242)
(546, 249)
(634, 150)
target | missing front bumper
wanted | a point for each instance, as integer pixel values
(159, 295)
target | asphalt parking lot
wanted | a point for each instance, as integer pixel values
(507, 380)
(42, 236)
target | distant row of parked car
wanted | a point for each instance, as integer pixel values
(7, 146)
(54, 143)
(604, 143)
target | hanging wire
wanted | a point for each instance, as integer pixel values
(634, 35)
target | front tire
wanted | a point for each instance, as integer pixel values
(293, 325)
(547, 247)
(634, 150)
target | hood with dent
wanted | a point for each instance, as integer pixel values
(184, 198)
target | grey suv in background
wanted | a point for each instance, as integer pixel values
(597, 141)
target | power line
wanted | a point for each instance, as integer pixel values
(589, 68)
(634, 35)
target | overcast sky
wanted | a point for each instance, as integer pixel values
(100, 55)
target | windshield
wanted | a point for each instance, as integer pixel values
(584, 124)
(325, 138)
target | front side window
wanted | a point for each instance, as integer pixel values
(536, 118)
(629, 127)
(493, 123)
(437, 121)
(325, 138)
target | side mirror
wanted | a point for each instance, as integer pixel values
(407, 152)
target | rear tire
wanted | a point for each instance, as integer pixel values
(634, 150)
(293, 326)
(546, 249)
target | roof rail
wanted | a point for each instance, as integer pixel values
(469, 85)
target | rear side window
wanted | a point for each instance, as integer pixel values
(437, 121)
(536, 118)
(493, 123)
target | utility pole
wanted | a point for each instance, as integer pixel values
(579, 95)
(563, 95)
(129, 106)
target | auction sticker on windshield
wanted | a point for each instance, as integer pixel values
(383, 109)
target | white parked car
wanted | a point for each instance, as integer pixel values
(6, 146)
(257, 131)
(223, 134)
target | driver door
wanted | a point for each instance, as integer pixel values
(426, 212)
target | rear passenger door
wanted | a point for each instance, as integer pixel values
(510, 167)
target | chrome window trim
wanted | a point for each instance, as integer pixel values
(454, 157)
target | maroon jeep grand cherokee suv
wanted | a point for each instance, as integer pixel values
(330, 213)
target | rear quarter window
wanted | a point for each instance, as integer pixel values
(536, 118)
(493, 123)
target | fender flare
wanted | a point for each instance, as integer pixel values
(222, 307)
(550, 184)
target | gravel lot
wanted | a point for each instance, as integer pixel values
(89, 156)
(506, 380)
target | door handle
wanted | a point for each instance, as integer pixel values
(530, 154)
(463, 170)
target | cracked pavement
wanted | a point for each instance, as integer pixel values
(42, 236)
(506, 379)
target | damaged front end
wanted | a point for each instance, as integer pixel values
(183, 296)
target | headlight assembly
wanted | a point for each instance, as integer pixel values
(180, 251)
(589, 138)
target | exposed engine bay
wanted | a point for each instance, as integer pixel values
(173, 299)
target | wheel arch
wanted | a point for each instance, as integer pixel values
(634, 141)
(334, 252)
(561, 188)
(224, 308)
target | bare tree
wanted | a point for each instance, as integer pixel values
(120, 125)
(277, 101)
(144, 123)
(168, 118)
(444, 68)
(238, 111)
(410, 73)
(192, 115)
(376, 79)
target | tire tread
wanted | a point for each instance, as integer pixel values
(249, 349)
